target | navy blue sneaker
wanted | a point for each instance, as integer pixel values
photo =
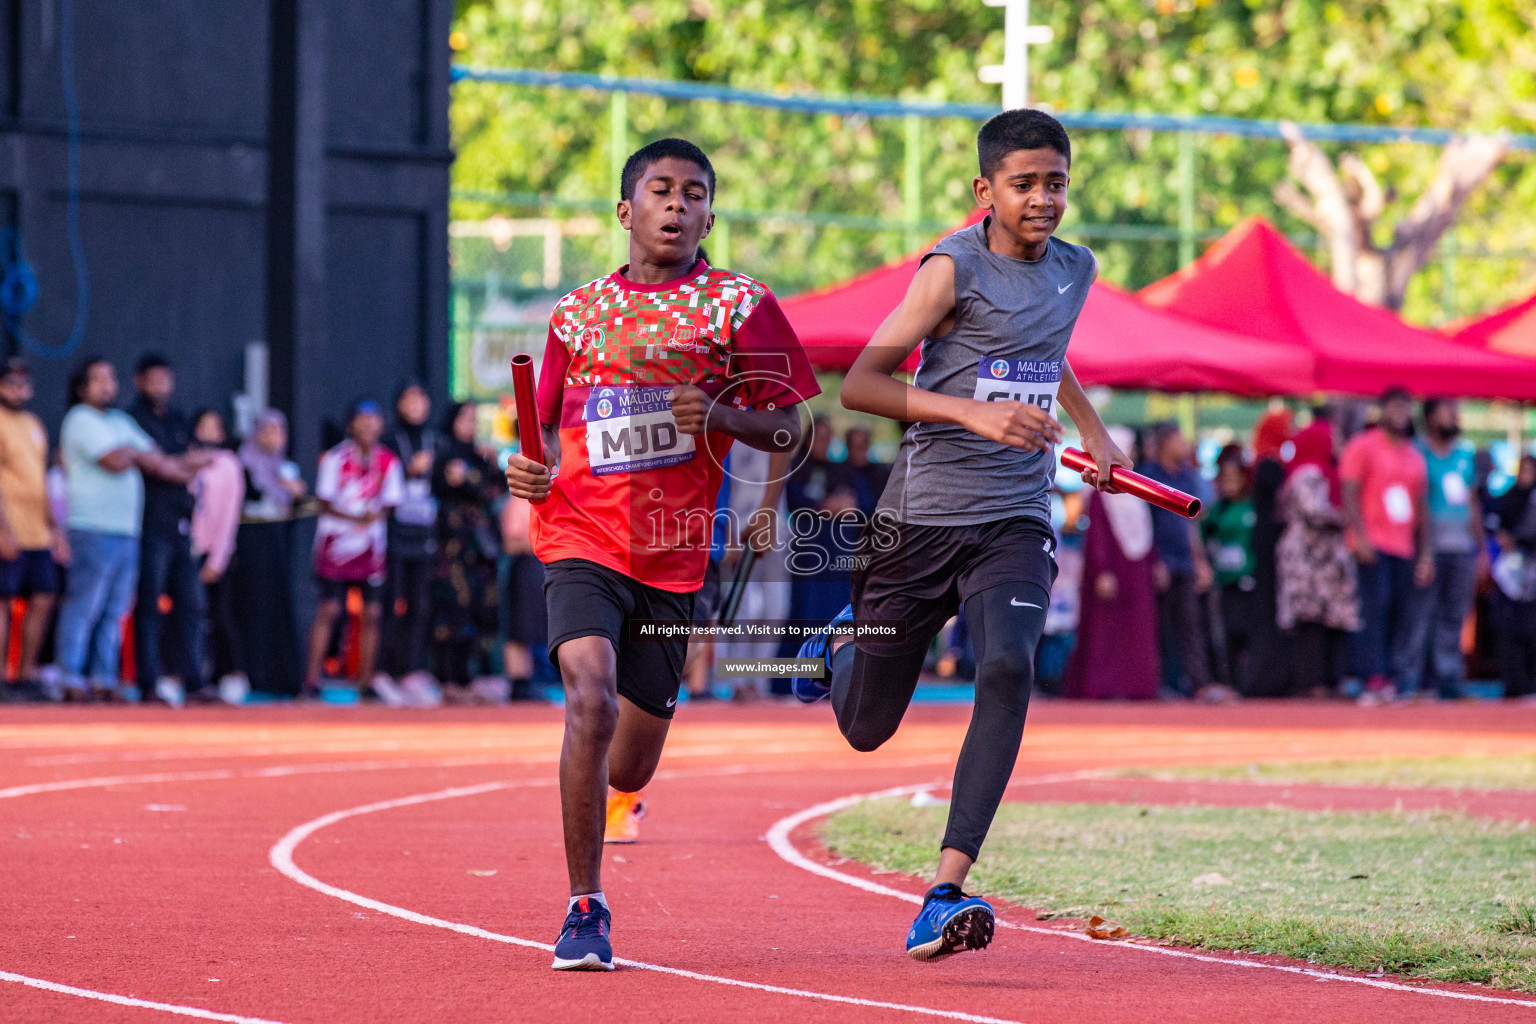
(583, 944)
(949, 922)
(806, 689)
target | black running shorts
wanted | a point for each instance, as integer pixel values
(920, 575)
(587, 599)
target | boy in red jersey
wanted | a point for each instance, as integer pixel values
(649, 375)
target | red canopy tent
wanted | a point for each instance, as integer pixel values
(1118, 341)
(1511, 331)
(1255, 282)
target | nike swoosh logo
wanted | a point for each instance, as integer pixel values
(1061, 288)
(672, 702)
(1023, 604)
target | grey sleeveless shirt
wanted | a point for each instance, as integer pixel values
(1013, 319)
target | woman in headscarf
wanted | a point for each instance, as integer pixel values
(259, 579)
(1116, 654)
(464, 582)
(1318, 600)
(412, 545)
(1514, 576)
(220, 490)
(1268, 671)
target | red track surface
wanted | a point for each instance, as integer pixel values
(139, 863)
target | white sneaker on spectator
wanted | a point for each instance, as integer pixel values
(492, 689)
(388, 691)
(170, 691)
(234, 688)
(421, 690)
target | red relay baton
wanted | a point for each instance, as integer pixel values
(1177, 502)
(529, 436)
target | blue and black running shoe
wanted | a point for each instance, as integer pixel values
(950, 922)
(806, 689)
(583, 944)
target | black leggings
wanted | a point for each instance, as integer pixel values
(410, 581)
(870, 694)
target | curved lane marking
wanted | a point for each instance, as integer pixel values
(281, 857)
(779, 841)
(282, 771)
(143, 1004)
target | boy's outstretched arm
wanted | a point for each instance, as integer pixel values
(870, 387)
(1096, 441)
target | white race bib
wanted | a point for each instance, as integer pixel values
(1454, 487)
(1398, 504)
(1031, 381)
(630, 429)
(1230, 557)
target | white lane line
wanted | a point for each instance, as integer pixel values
(378, 747)
(282, 771)
(281, 857)
(779, 841)
(143, 1004)
(323, 768)
(274, 772)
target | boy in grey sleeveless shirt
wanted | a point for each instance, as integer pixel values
(965, 519)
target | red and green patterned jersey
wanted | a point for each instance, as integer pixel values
(632, 492)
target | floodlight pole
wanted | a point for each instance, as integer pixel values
(1018, 34)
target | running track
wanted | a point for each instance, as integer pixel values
(345, 866)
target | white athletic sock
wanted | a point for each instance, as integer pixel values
(587, 896)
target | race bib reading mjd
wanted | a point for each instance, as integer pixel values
(1031, 381)
(631, 429)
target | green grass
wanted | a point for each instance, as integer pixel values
(1464, 772)
(1438, 896)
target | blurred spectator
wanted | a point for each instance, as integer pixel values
(30, 540)
(523, 611)
(823, 535)
(1182, 572)
(104, 451)
(1269, 670)
(1228, 531)
(1116, 653)
(1385, 494)
(753, 491)
(412, 544)
(220, 490)
(1065, 610)
(866, 479)
(166, 564)
(1456, 538)
(1317, 599)
(261, 574)
(809, 482)
(360, 481)
(1514, 576)
(464, 599)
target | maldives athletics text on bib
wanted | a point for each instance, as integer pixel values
(630, 429)
(1031, 381)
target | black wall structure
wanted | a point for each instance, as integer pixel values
(249, 171)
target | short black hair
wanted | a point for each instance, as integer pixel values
(151, 361)
(1162, 430)
(1396, 393)
(363, 407)
(641, 159)
(81, 374)
(1024, 128)
(1432, 405)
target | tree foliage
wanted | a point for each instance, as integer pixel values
(1464, 66)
